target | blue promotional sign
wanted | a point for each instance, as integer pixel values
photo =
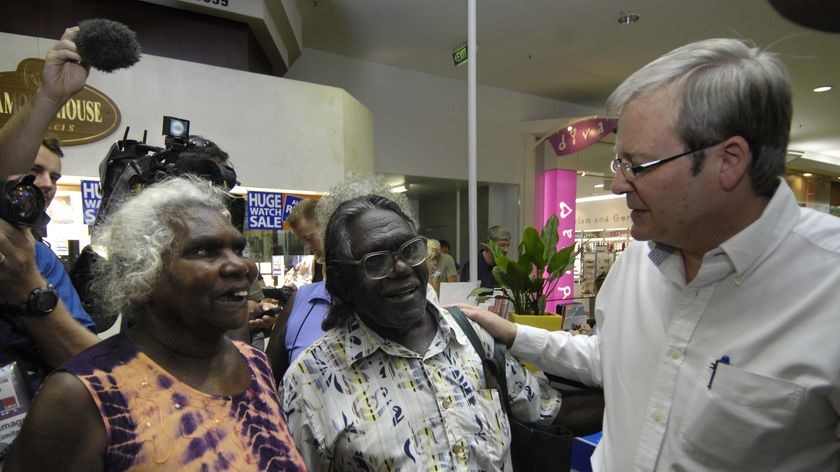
(90, 201)
(290, 202)
(265, 210)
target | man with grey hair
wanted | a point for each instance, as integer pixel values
(394, 384)
(485, 259)
(715, 350)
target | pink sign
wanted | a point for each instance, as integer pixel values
(580, 134)
(556, 193)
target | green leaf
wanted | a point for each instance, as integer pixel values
(561, 261)
(550, 237)
(537, 267)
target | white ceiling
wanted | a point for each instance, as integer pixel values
(576, 51)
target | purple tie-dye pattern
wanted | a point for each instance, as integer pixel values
(249, 432)
(165, 382)
(189, 423)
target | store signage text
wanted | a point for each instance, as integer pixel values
(581, 134)
(265, 210)
(615, 218)
(555, 195)
(91, 200)
(87, 116)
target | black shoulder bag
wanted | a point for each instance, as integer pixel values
(534, 446)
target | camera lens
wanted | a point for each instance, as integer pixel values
(24, 202)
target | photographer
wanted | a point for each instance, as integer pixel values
(37, 325)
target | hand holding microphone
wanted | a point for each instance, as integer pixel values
(102, 44)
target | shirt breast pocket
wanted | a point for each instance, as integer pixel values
(741, 422)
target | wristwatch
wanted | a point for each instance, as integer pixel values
(41, 302)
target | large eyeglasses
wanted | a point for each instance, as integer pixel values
(631, 171)
(380, 264)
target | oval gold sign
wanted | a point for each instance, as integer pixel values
(88, 116)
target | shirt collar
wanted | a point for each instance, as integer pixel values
(360, 341)
(752, 245)
(316, 292)
(744, 251)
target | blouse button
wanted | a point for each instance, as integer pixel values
(458, 449)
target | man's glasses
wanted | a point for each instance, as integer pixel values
(380, 264)
(631, 171)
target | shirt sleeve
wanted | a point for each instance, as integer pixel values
(53, 270)
(531, 397)
(560, 353)
(302, 425)
(536, 400)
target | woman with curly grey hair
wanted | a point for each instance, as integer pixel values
(173, 392)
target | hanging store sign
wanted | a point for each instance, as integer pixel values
(87, 116)
(581, 134)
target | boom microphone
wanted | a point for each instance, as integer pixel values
(107, 45)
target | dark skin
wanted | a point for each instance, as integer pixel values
(394, 307)
(184, 336)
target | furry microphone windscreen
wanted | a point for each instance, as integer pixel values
(107, 45)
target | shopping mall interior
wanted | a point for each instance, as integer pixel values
(303, 93)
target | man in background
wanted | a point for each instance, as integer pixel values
(447, 266)
(304, 224)
(485, 260)
(299, 324)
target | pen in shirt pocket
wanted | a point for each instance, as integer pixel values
(724, 359)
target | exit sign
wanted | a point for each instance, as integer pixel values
(459, 55)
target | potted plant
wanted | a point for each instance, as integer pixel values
(536, 272)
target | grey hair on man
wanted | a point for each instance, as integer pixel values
(336, 211)
(136, 237)
(497, 233)
(711, 110)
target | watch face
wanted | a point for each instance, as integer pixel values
(43, 301)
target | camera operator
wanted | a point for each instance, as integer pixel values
(33, 284)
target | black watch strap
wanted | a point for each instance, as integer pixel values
(41, 302)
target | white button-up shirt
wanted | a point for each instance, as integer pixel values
(768, 299)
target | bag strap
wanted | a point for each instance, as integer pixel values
(494, 367)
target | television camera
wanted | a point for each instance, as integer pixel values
(131, 165)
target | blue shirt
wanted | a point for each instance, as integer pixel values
(312, 302)
(53, 270)
(485, 272)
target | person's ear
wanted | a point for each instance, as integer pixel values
(734, 162)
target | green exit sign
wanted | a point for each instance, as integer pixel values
(459, 55)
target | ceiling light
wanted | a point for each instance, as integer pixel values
(598, 198)
(628, 18)
(807, 174)
(598, 185)
(399, 188)
(823, 88)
